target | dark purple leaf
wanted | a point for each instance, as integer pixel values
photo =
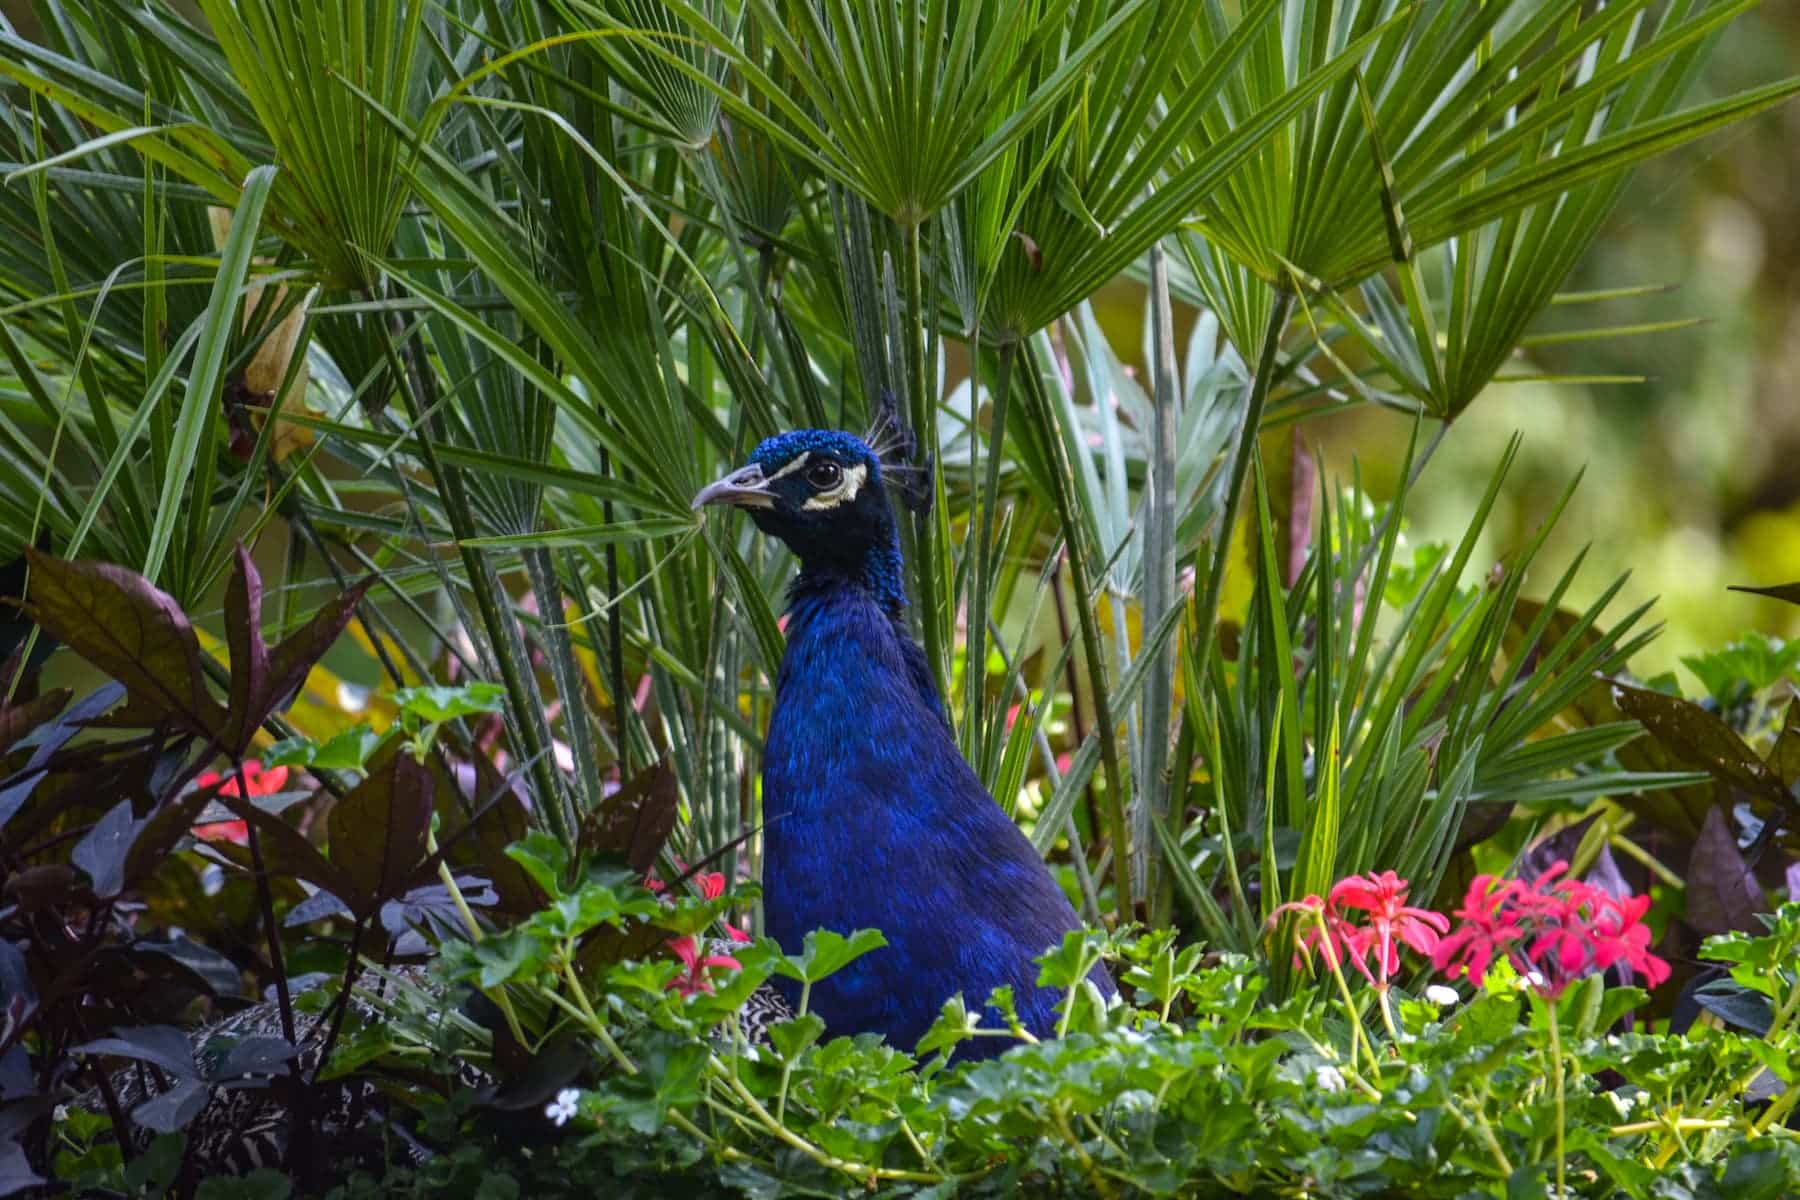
(48, 739)
(635, 821)
(173, 1109)
(38, 888)
(1606, 876)
(18, 720)
(316, 907)
(530, 1083)
(103, 852)
(1783, 591)
(1699, 739)
(212, 970)
(249, 654)
(137, 634)
(294, 657)
(431, 907)
(259, 1055)
(16, 1173)
(378, 831)
(1721, 891)
(161, 832)
(286, 852)
(18, 995)
(1784, 756)
(1737, 1005)
(16, 1080)
(163, 1045)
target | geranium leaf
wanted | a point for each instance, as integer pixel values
(133, 631)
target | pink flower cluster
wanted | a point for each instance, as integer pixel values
(1553, 930)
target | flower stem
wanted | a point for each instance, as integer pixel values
(1337, 973)
(1556, 1072)
(1387, 1013)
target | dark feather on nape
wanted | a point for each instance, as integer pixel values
(897, 449)
(913, 482)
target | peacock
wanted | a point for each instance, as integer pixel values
(871, 816)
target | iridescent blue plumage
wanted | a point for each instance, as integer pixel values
(872, 819)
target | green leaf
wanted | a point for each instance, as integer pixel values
(192, 449)
(438, 703)
(826, 952)
(793, 1038)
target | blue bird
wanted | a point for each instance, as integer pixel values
(872, 819)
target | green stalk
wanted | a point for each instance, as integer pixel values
(1159, 595)
(1556, 1072)
(528, 714)
(1106, 729)
(923, 415)
(569, 685)
(976, 672)
(1240, 466)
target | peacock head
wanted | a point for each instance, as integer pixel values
(821, 492)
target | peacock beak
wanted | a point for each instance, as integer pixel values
(745, 487)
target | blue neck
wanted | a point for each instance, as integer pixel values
(877, 573)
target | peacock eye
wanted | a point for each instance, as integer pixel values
(824, 474)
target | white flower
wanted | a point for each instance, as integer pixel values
(1442, 996)
(1329, 1079)
(563, 1107)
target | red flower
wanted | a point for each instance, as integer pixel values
(1336, 942)
(1391, 920)
(711, 885)
(1488, 929)
(257, 782)
(693, 976)
(1554, 931)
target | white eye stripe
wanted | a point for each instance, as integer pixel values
(845, 491)
(793, 464)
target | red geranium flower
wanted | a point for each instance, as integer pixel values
(711, 885)
(257, 782)
(1488, 929)
(1334, 943)
(1391, 920)
(695, 966)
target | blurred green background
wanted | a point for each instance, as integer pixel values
(1692, 476)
